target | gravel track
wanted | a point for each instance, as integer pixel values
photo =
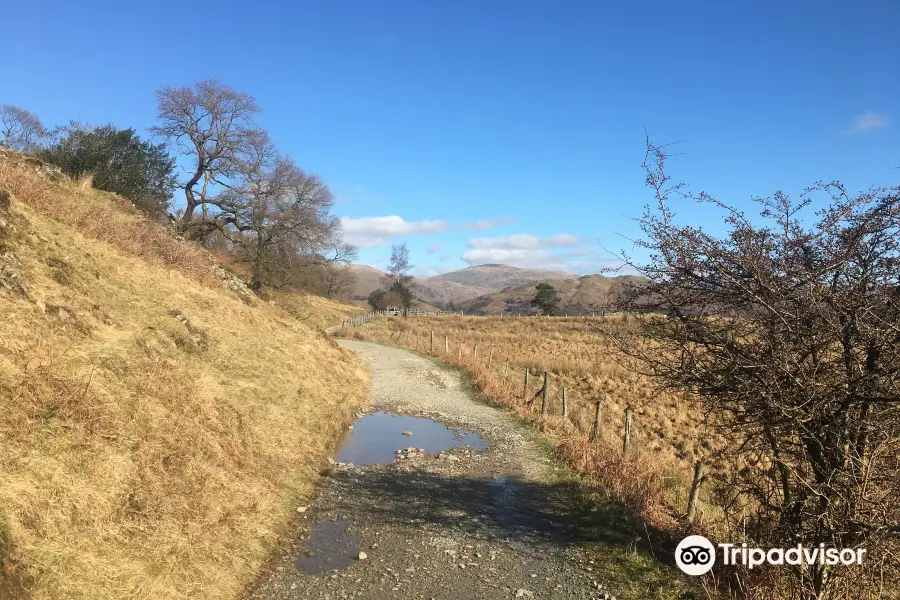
(496, 523)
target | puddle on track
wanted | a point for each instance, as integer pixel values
(375, 438)
(330, 546)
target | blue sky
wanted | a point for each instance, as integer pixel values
(497, 131)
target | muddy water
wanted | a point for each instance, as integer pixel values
(330, 546)
(375, 438)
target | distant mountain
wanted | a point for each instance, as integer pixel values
(366, 280)
(578, 295)
(440, 292)
(458, 287)
(498, 277)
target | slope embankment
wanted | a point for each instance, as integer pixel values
(158, 426)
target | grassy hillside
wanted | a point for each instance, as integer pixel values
(366, 280)
(158, 425)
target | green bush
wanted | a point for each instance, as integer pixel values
(119, 161)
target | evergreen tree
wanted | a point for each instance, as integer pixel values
(545, 299)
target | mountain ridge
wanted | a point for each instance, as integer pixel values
(494, 288)
(578, 296)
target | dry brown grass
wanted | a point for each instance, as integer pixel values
(157, 432)
(653, 478)
(313, 310)
(107, 217)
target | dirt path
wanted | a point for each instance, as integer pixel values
(495, 523)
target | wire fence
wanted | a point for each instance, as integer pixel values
(588, 428)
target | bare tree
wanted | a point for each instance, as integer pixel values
(337, 280)
(21, 130)
(213, 126)
(273, 214)
(399, 282)
(399, 265)
(788, 330)
(280, 218)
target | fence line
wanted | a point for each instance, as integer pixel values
(549, 416)
(411, 312)
(418, 312)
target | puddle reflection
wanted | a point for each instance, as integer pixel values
(330, 546)
(375, 438)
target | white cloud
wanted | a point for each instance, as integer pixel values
(368, 232)
(433, 248)
(522, 258)
(868, 121)
(486, 225)
(557, 253)
(525, 242)
(570, 262)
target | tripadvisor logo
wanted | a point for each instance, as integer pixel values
(696, 555)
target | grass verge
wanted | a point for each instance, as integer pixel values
(158, 430)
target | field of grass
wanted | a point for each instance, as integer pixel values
(653, 478)
(157, 429)
(667, 431)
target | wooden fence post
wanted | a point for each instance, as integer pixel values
(565, 404)
(475, 354)
(525, 391)
(695, 489)
(595, 430)
(432, 343)
(626, 442)
(446, 345)
(544, 392)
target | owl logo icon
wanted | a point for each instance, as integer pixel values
(695, 555)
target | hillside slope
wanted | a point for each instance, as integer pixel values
(439, 292)
(366, 280)
(158, 428)
(584, 295)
